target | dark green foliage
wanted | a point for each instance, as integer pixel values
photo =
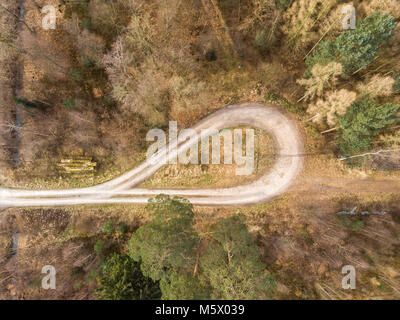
(26, 103)
(122, 279)
(361, 123)
(77, 273)
(326, 53)
(232, 263)
(108, 102)
(227, 267)
(166, 248)
(168, 241)
(355, 49)
(86, 23)
(261, 39)
(122, 228)
(86, 62)
(183, 286)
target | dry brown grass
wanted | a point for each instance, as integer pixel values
(215, 175)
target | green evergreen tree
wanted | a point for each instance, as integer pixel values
(232, 263)
(184, 286)
(361, 123)
(355, 49)
(122, 279)
(168, 241)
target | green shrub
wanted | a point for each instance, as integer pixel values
(261, 39)
(108, 227)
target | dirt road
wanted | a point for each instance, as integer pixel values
(288, 164)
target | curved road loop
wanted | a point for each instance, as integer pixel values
(287, 165)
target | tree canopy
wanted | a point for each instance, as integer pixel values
(122, 279)
(232, 263)
(355, 49)
(361, 123)
(168, 241)
(226, 266)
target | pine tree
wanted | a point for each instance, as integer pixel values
(232, 263)
(168, 241)
(361, 123)
(355, 49)
(122, 279)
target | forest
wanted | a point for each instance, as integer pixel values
(111, 70)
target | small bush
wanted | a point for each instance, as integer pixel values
(108, 227)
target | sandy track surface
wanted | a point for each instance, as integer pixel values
(288, 164)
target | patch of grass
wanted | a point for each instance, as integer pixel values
(35, 284)
(351, 224)
(307, 237)
(76, 74)
(283, 4)
(69, 104)
(276, 99)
